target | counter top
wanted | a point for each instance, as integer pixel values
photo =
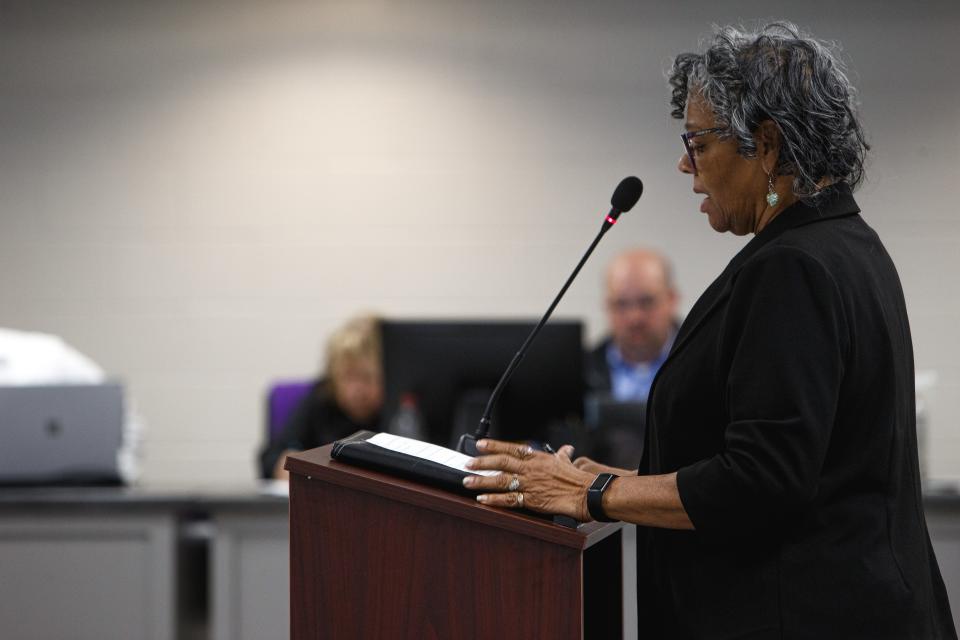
(267, 495)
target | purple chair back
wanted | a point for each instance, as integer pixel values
(282, 400)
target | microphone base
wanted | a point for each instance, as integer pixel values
(468, 444)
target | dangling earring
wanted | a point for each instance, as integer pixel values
(772, 196)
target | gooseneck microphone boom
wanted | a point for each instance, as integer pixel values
(624, 197)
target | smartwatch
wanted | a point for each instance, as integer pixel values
(595, 497)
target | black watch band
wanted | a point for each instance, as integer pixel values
(595, 497)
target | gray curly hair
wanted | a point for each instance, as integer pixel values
(779, 73)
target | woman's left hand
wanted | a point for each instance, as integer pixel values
(535, 480)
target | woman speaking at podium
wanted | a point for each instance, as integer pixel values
(779, 491)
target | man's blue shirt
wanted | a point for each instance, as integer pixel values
(631, 382)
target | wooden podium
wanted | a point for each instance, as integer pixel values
(375, 556)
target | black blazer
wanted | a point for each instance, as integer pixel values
(787, 408)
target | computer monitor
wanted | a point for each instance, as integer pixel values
(451, 367)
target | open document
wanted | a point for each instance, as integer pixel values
(426, 451)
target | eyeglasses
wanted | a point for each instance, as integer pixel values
(689, 135)
(643, 303)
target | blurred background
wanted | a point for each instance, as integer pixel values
(196, 193)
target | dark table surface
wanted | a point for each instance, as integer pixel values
(258, 496)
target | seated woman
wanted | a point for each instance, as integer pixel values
(348, 399)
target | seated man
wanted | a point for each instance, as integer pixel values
(348, 399)
(37, 359)
(641, 305)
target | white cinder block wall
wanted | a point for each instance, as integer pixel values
(196, 193)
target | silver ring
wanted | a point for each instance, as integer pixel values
(520, 500)
(514, 484)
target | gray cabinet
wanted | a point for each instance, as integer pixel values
(250, 585)
(144, 564)
(96, 576)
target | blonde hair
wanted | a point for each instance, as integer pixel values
(357, 339)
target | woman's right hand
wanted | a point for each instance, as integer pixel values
(592, 466)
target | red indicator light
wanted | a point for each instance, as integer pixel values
(611, 220)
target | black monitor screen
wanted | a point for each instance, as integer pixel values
(451, 367)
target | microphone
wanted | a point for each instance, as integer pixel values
(624, 197)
